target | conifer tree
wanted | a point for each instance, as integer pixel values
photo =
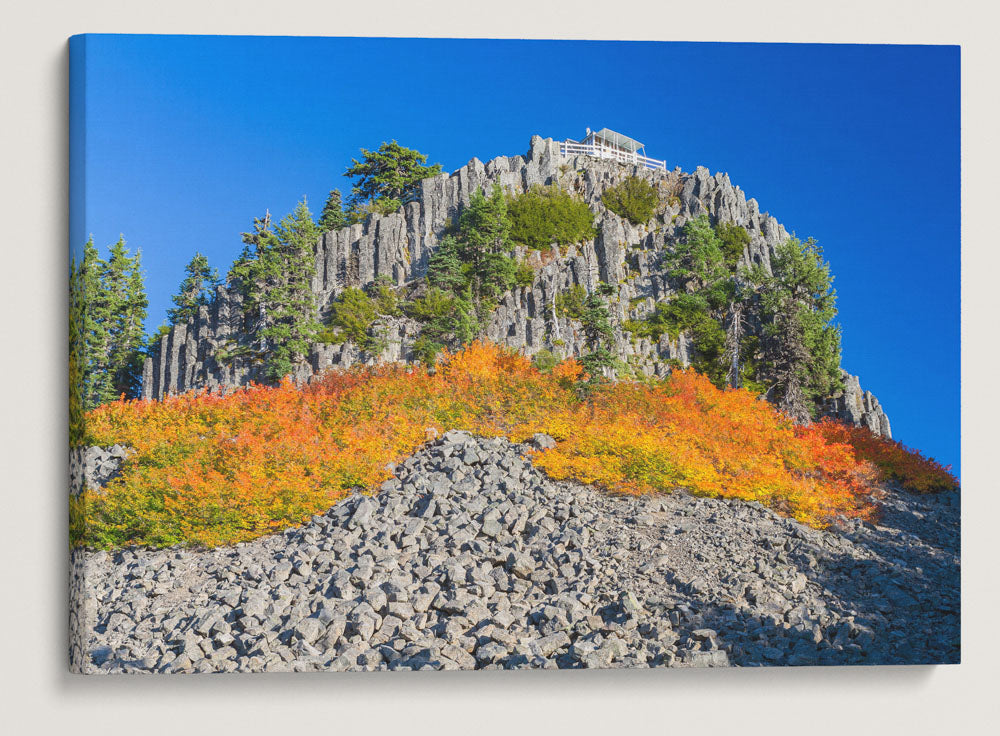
(77, 353)
(107, 339)
(707, 268)
(392, 174)
(332, 216)
(274, 273)
(475, 265)
(93, 310)
(245, 275)
(445, 269)
(126, 313)
(697, 260)
(485, 247)
(195, 290)
(800, 345)
(596, 320)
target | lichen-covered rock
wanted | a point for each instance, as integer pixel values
(212, 349)
(90, 468)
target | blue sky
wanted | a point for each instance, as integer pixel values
(187, 138)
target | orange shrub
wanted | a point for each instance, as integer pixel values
(210, 469)
(895, 461)
(687, 433)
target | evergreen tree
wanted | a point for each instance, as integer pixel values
(445, 268)
(473, 264)
(392, 173)
(243, 274)
(195, 290)
(599, 337)
(800, 345)
(698, 260)
(796, 360)
(440, 313)
(107, 339)
(466, 323)
(126, 302)
(484, 248)
(93, 310)
(596, 322)
(77, 353)
(274, 273)
(332, 216)
(709, 307)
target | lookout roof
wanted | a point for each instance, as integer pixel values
(630, 144)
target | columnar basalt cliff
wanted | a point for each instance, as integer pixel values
(214, 350)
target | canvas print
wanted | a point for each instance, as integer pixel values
(431, 354)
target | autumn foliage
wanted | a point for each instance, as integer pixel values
(896, 462)
(210, 469)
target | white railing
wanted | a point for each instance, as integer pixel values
(568, 148)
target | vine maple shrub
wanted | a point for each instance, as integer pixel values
(897, 462)
(210, 469)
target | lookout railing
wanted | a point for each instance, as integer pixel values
(597, 150)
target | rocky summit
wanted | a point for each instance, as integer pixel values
(204, 351)
(470, 558)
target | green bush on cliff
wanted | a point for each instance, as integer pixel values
(546, 215)
(683, 312)
(570, 303)
(545, 360)
(635, 199)
(355, 313)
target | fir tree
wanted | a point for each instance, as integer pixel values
(107, 338)
(246, 273)
(708, 308)
(77, 353)
(484, 247)
(475, 265)
(445, 268)
(599, 337)
(800, 345)
(92, 310)
(698, 260)
(127, 302)
(332, 216)
(274, 274)
(196, 290)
